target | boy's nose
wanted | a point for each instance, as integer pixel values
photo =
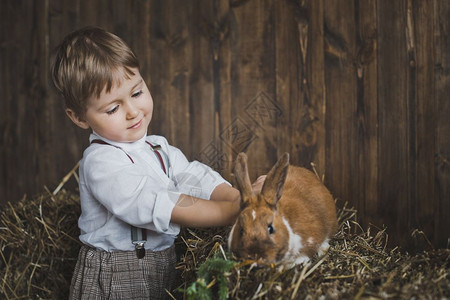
(132, 111)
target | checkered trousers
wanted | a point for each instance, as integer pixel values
(121, 275)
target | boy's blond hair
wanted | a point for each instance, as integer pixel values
(85, 64)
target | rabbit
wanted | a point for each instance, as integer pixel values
(289, 221)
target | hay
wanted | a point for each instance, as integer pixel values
(39, 246)
(358, 265)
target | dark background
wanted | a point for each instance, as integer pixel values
(360, 88)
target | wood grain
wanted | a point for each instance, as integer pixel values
(360, 88)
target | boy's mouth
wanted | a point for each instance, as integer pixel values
(137, 125)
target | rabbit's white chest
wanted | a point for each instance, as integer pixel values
(294, 254)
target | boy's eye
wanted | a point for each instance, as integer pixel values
(137, 94)
(113, 110)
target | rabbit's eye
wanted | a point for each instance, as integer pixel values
(270, 229)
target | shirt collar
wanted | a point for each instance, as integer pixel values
(125, 146)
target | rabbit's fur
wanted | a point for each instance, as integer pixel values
(289, 221)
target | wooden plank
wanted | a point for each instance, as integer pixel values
(288, 76)
(202, 89)
(420, 37)
(41, 110)
(171, 60)
(253, 84)
(210, 97)
(138, 20)
(222, 75)
(102, 13)
(366, 200)
(442, 92)
(316, 77)
(300, 82)
(159, 60)
(394, 120)
(224, 105)
(342, 170)
(5, 121)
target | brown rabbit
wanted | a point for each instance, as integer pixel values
(289, 221)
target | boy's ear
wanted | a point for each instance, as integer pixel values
(80, 122)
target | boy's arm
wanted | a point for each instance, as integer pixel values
(221, 210)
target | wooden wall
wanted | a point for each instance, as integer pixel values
(360, 88)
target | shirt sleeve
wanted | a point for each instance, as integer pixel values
(191, 178)
(129, 191)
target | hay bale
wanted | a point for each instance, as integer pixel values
(39, 246)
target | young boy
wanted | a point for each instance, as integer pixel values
(135, 190)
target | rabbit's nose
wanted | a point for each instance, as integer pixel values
(255, 252)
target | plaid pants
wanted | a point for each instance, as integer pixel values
(121, 275)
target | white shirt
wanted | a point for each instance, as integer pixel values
(123, 184)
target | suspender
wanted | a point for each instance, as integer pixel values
(156, 149)
(139, 235)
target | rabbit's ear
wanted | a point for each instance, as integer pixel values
(242, 178)
(273, 186)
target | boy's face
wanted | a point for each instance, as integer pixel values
(123, 114)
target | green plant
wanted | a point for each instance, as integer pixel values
(211, 277)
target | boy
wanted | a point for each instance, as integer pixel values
(135, 190)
